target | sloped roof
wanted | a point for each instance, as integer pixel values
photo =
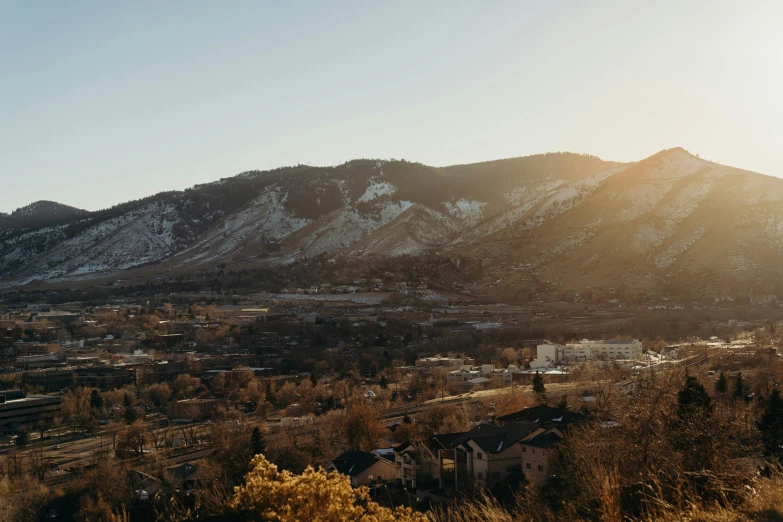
(443, 441)
(544, 440)
(543, 415)
(354, 463)
(494, 439)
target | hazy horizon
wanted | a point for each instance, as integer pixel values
(107, 103)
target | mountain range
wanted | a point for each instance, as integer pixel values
(670, 225)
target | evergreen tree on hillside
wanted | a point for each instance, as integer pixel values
(722, 384)
(693, 398)
(257, 441)
(740, 389)
(96, 401)
(771, 424)
(538, 387)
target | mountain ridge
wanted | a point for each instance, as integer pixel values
(649, 227)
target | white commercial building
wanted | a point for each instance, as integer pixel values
(585, 350)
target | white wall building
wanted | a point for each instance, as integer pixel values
(585, 350)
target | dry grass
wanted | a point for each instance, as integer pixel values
(762, 502)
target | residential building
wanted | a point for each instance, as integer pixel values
(488, 454)
(168, 340)
(105, 377)
(444, 362)
(426, 463)
(539, 456)
(31, 362)
(18, 409)
(160, 371)
(49, 380)
(363, 468)
(543, 415)
(27, 349)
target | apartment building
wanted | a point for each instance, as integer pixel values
(548, 355)
(524, 442)
(430, 461)
(105, 377)
(49, 380)
(18, 409)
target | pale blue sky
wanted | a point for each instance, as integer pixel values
(101, 102)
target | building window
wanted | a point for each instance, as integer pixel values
(544, 453)
(478, 456)
(533, 451)
(527, 465)
(524, 449)
(540, 468)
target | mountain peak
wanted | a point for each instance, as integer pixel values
(39, 213)
(675, 153)
(44, 206)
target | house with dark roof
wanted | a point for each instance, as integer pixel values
(363, 468)
(489, 453)
(539, 455)
(543, 415)
(428, 463)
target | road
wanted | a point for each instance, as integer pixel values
(72, 450)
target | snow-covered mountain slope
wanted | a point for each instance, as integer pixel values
(668, 222)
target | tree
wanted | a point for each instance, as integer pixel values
(693, 397)
(771, 424)
(134, 438)
(257, 441)
(538, 386)
(22, 437)
(96, 401)
(130, 411)
(314, 495)
(722, 384)
(159, 394)
(740, 390)
(362, 427)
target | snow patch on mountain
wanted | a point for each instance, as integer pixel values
(377, 189)
(665, 259)
(469, 210)
(263, 219)
(642, 199)
(141, 236)
(686, 201)
(649, 236)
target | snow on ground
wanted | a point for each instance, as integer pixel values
(349, 226)
(686, 201)
(141, 236)
(669, 256)
(570, 195)
(677, 164)
(264, 218)
(516, 196)
(377, 189)
(469, 210)
(648, 236)
(643, 199)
